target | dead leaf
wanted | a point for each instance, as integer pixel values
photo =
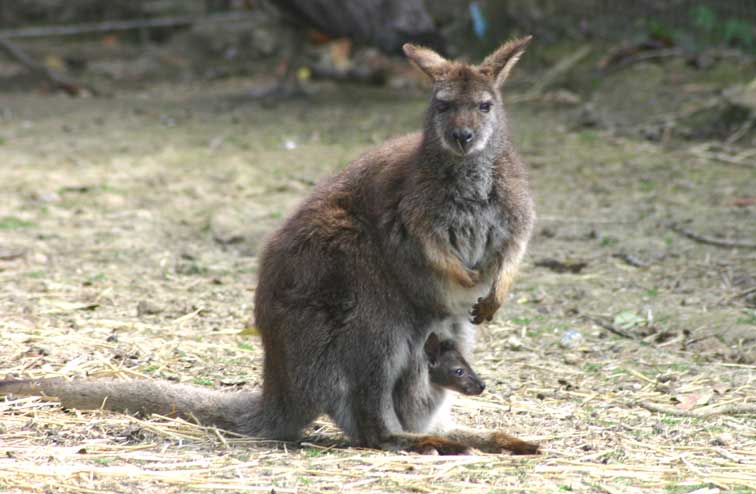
(566, 266)
(691, 400)
(744, 201)
(71, 306)
(249, 331)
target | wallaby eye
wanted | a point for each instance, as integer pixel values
(485, 107)
(459, 372)
(442, 106)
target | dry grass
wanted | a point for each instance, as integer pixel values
(110, 203)
(596, 436)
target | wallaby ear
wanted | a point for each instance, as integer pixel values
(499, 63)
(433, 348)
(426, 60)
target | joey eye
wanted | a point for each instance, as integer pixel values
(459, 372)
(485, 107)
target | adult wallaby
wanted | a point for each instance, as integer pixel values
(449, 369)
(421, 234)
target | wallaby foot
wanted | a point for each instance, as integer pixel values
(424, 444)
(493, 442)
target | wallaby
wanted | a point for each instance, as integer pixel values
(449, 369)
(421, 234)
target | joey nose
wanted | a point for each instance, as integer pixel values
(463, 136)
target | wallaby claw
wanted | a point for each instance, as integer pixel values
(484, 310)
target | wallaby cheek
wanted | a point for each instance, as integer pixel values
(484, 135)
(443, 131)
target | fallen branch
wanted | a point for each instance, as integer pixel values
(741, 159)
(60, 81)
(609, 327)
(562, 67)
(743, 409)
(738, 295)
(718, 242)
(643, 57)
(100, 27)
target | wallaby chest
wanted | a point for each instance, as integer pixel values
(468, 216)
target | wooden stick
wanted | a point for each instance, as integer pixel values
(718, 242)
(58, 80)
(100, 27)
(709, 412)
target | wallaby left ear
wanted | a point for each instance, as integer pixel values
(433, 348)
(499, 63)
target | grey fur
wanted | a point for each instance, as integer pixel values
(403, 242)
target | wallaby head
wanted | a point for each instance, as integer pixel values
(449, 369)
(466, 110)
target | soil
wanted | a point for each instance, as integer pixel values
(129, 230)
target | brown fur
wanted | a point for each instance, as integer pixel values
(398, 245)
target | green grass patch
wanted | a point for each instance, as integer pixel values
(684, 488)
(15, 223)
(246, 346)
(750, 317)
(592, 368)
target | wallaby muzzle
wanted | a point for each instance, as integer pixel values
(463, 137)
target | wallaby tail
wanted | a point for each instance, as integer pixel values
(232, 411)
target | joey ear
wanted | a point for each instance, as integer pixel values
(499, 63)
(426, 60)
(433, 348)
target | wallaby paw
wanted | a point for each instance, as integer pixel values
(484, 310)
(505, 442)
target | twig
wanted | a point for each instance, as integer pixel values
(718, 242)
(710, 412)
(69, 86)
(99, 27)
(609, 327)
(740, 159)
(738, 295)
(630, 259)
(553, 74)
(643, 57)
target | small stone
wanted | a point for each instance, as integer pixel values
(723, 439)
(514, 343)
(571, 339)
(147, 308)
(571, 358)
(663, 388)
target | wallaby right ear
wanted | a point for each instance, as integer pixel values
(426, 60)
(433, 348)
(499, 63)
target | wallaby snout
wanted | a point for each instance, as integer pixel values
(472, 385)
(463, 137)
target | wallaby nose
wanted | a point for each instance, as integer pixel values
(463, 136)
(482, 386)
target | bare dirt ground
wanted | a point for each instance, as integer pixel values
(129, 227)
